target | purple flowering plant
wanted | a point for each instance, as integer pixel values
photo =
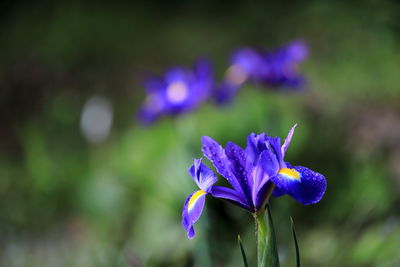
(254, 173)
(179, 91)
(182, 90)
(278, 68)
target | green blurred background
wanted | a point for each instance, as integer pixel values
(71, 196)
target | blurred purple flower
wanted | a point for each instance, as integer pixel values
(179, 91)
(253, 173)
(278, 68)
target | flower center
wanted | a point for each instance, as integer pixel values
(291, 173)
(177, 92)
(194, 198)
(236, 74)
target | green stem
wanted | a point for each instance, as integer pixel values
(267, 252)
(261, 230)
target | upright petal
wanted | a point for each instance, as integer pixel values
(256, 143)
(241, 166)
(274, 145)
(192, 210)
(248, 60)
(202, 175)
(287, 140)
(216, 154)
(303, 184)
(203, 81)
(176, 74)
(261, 178)
(269, 162)
(296, 51)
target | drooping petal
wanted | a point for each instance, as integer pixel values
(192, 210)
(231, 195)
(241, 166)
(278, 192)
(202, 175)
(216, 154)
(287, 140)
(303, 184)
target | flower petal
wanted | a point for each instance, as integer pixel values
(231, 195)
(202, 175)
(269, 162)
(256, 143)
(154, 85)
(303, 184)
(296, 51)
(216, 154)
(248, 59)
(274, 145)
(287, 140)
(192, 210)
(262, 194)
(176, 74)
(225, 92)
(241, 166)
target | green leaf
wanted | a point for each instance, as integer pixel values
(295, 244)
(266, 241)
(245, 264)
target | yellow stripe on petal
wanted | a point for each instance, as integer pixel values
(194, 198)
(292, 173)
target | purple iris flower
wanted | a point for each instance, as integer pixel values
(281, 66)
(278, 68)
(253, 173)
(179, 91)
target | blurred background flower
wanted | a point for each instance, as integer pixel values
(68, 201)
(178, 92)
(276, 69)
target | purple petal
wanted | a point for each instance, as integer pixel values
(203, 69)
(202, 175)
(297, 51)
(241, 166)
(216, 154)
(176, 74)
(260, 178)
(269, 162)
(154, 85)
(248, 59)
(202, 84)
(231, 195)
(225, 92)
(256, 143)
(287, 140)
(262, 193)
(192, 210)
(274, 145)
(306, 186)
